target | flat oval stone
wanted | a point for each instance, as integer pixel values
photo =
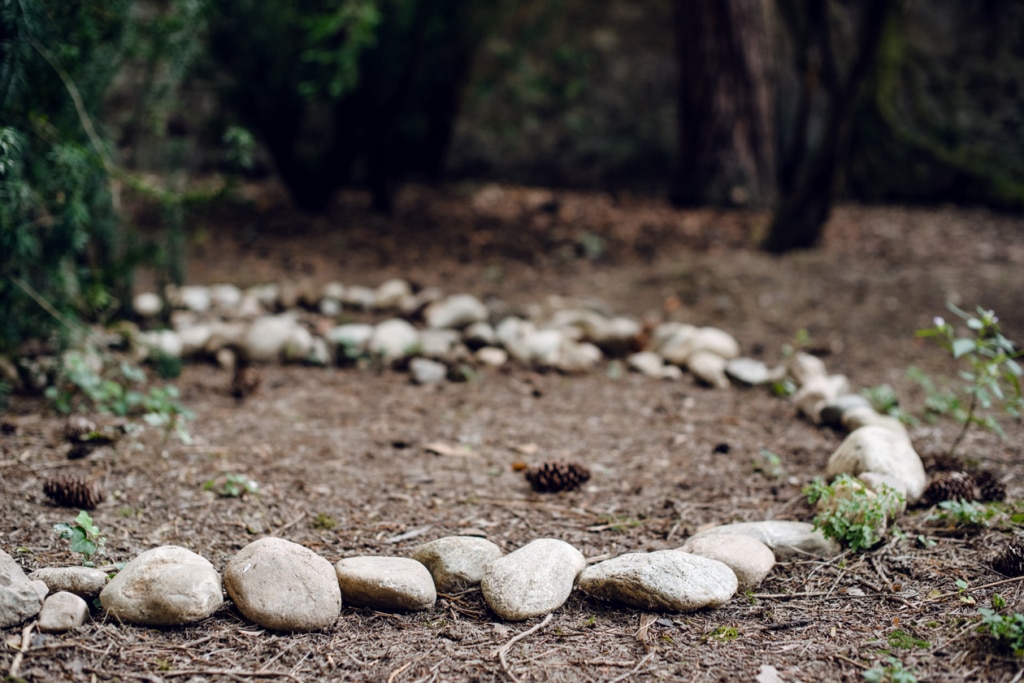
(748, 558)
(85, 582)
(668, 580)
(283, 586)
(457, 562)
(386, 583)
(532, 581)
(165, 586)
(786, 539)
(875, 449)
(62, 611)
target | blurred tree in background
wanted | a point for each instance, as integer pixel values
(726, 103)
(357, 91)
(66, 247)
(60, 239)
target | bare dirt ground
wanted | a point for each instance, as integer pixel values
(340, 453)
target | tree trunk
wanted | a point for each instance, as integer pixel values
(808, 179)
(726, 152)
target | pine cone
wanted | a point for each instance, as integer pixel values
(990, 489)
(557, 475)
(74, 491)
(1010, 560)
(950, 486)
(245, 382)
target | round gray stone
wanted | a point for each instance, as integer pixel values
(532, 581)
(165, 586)
(283, 586)
(457, 562)
(61, 612)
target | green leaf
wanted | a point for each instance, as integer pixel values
(963, 346)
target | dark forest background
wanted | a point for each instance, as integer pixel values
(781, 105)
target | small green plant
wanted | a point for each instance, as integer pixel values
(851, 513)
(901, 640)
(723, 634)
(770, 464)
(962, 513)
(231, 486)
(1006, 630)
(992, 378)
(884, 400)
(324, 522)
(102, 384)
(892, 672)
(84, 536)
(962, 589)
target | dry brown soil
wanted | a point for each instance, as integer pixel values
(341, 460)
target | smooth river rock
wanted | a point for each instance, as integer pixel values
(532, 581)
(61, 612)
(885, 453)
(786, 539)
(165, 586)
(748, 558)
(85, 582)
(667, 580)
(457, 562)
(283, 586)
(386, 583)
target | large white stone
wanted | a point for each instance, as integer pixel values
(438, 344)
(646, 363)
(166, 342)
(709, 368)
(392, 293)
(225, 297)
(165, 586)
(394, 339)
(747, 557)
(298, 347)
(577, 357)
(532, 581)
(283, 586)
(803, 366)
(194, 339)
(880, 451)
(479, 335)
(817, 392)
(386, 583)
(426, 371)
(456, 311)
(267, 336)
(669, 580)
(147, 304)
(195, 298)
(786, 539)
(19, 598)
(457, 562)
(685, 343)
(350, 341)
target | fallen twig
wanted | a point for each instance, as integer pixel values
(512, 641)
(26, 640)
(398, 671)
